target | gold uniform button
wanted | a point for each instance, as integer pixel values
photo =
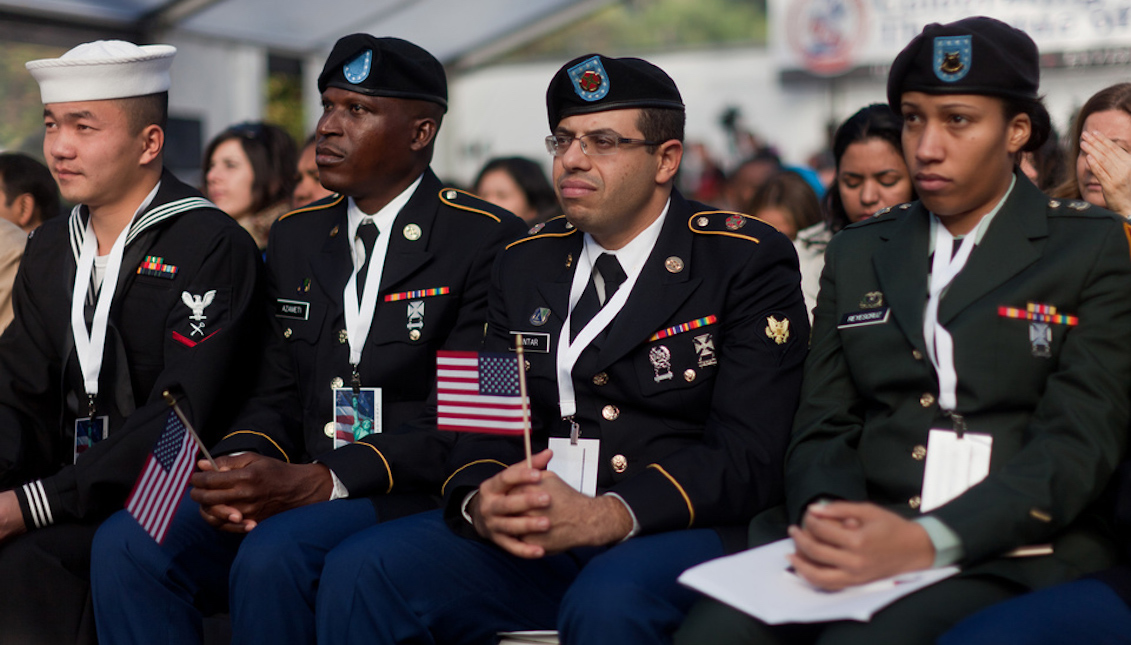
(287, 332)
(414, 334)
(916, 354)
(927, 399)
(329, 429)
(914, 502)
(620, 463)
(919, 453)
(689, 375)
(610, 412)
(343, 336)
(600, 378)
(336, 382)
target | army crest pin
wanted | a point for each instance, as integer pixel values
(872, 300)
(540, 316)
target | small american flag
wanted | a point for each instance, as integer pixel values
(478, 392)
(162, 482)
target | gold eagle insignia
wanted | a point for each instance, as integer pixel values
(778, 329)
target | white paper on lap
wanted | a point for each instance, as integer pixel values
(759, 582)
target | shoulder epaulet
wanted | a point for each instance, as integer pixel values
(888, 214)
(728, 223)
(1077, 208)
(554, 227)
(469, 202)
(321, 204)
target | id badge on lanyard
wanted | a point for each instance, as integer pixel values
(956, 459)
(357, 414)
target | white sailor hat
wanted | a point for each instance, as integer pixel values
(104, 69)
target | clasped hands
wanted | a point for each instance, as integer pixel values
(842, 544)
(530, 512)
(248, 488)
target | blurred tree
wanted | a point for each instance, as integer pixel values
(21, 111)
(644, 25)
(284, 95)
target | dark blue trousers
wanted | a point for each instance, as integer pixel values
(149, 593)
(1084, 611)
(415, 581)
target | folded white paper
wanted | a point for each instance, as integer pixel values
(536, 637)
(759, 582)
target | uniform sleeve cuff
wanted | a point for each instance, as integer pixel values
(635, 523)
(467, 502)
(340, 491)
(948, 546)
(37, 508)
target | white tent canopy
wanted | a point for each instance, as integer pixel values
(458, 32)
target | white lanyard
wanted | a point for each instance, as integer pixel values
(360, 317)
(89, 347)
(940, 345)
(568, 352)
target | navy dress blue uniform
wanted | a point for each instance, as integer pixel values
(444, 241)
(691, 443)
(180, 245)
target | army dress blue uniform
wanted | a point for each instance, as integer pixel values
(180, 245)
(443, 242)
(691, 392)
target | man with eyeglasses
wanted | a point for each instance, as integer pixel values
(680, 331)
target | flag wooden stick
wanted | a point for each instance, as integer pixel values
(188, 426)
(522, 393)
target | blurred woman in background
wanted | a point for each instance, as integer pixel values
(871, 175)
(518, 185)
(249, 172)
(1098, 150)
(787, 202)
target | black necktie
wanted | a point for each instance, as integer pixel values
(367, 232)
(613, 276)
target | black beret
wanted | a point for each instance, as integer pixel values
(595, 83)
(385, 67)
(976, 55)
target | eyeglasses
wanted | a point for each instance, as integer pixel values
(592, 144)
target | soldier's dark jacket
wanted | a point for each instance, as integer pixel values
(1056, 400)
(308, 264)
(693, 386)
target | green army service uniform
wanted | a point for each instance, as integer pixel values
(1055, 398)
